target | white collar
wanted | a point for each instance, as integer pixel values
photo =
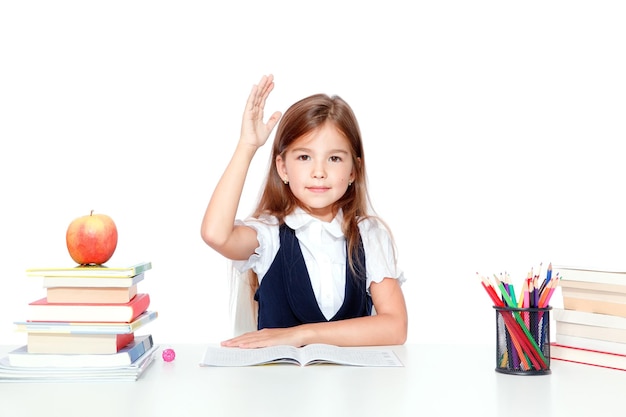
(300, 218)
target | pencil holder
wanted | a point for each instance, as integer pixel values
(523, 340)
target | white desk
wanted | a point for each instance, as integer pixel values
(437, 380)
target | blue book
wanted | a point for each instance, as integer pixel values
(127, 356)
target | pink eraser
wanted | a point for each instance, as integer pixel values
(168, 355)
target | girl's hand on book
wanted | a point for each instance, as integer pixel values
(266, 337)
(254, 131)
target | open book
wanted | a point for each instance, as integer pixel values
(303, 356)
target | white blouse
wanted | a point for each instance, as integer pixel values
(324, 250)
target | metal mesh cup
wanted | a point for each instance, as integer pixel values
(523, 340)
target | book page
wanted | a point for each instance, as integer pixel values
(308, 355)
(321, 353)
(230, 356)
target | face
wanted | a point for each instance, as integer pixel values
(319, 168)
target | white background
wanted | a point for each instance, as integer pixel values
(494, 135)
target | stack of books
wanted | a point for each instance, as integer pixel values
(591, 327)
(85, 327)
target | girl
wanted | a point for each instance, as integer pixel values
(325, 270)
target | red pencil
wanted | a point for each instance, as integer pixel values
(520, 339)
(490, 291)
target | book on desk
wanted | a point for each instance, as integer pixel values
(590, 329)
(90, 322)
(313, 354)
(125, 356)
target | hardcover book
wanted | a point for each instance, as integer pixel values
(68, 343)
(589, 325)
(590, 319)
(86, 327)
(571, 273)
(588, 356)
(593, 286)
(42, 310)
(102, 271)
(611, 334)
(92, 282)
(127, 356)
(591, 344)
(304, 356)
(77, 373)
(102, 295)
(593, 294)
(595, 306)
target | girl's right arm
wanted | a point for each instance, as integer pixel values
(218, 225)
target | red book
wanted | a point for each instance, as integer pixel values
(588, 356)
(41, 310)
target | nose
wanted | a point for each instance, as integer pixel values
(319, 170)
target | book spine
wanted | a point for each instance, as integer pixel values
(91, 282)
(594, 306)
(143, 319)
(143, 268)
(138, 350)
(589, 318)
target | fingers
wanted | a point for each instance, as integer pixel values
(252, 98)
(265, 87)
(258, 95)
(261, 338)
(240, 342)
(254, 129)
(260, 92)
(271, 122)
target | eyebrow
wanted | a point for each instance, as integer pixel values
(332, 151)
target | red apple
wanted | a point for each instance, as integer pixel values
(91, 239)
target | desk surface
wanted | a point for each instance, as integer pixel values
(437, 380)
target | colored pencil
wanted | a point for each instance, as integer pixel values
(520, 334)
(548, 278)
(536, 351)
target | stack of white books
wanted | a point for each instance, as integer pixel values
(20, 366)
(591, 327)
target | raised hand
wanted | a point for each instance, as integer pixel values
(254, 131)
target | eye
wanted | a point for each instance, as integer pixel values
(303, 157)
(335, 159)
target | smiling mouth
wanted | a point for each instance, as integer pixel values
(318, 189)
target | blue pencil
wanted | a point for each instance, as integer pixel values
(548, 277)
